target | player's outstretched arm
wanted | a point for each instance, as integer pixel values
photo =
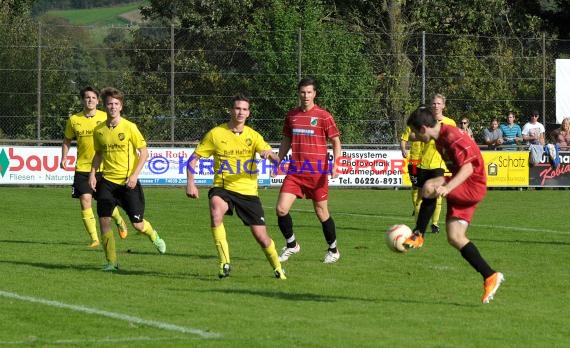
(191, 188)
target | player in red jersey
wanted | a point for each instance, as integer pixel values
(306, 132)
(464, 189)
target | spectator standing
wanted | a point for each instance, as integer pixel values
(512, 133)
(493, 135)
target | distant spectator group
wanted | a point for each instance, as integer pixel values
(532, 137)
(509, 136)
(506, 136)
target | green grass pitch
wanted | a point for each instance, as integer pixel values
(53, 292)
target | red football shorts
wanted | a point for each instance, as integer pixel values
(315, 187)
(462, 201)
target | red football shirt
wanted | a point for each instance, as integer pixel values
(456, 149)
(309, 132)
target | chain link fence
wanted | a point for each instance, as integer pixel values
(178, 83)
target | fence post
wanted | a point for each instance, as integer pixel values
(39, 84)
(299, 59)
(423, 67)
(172, 108)
(543, 79)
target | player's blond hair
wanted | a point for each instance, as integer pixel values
(438, 96)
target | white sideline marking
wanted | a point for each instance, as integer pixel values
(116, 340)
(399, 218)
(35, 340)
(119, 316)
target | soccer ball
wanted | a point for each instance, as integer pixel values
(396, 236)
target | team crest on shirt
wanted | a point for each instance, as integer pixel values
(248, 141)
(314, 121)
(121, 136)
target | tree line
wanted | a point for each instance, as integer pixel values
(487, 56)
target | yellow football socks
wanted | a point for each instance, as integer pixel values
(109, 247)
(117, 216)
(219, 234)
(416, 201)
(437, 211)
(90, 223)
(271, 255)
(149, 231)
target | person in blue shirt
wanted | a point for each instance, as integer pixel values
(512, 133)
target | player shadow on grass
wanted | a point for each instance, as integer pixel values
(98, 269)
(326, 298)
(150, 252)
(41, 242)
(46, 265)
(290, 296)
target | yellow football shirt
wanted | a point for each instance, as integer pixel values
(415, 146)
(235, 165)
(431, 159)
(119, 147)
(80, 128)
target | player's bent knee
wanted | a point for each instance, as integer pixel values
(280, 211)
(139, 226)
(456, 233)
(429, 191)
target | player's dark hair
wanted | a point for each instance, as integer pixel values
(422, 116)
(113, 93)
(88, 89)
(307, 81)
(240, 97)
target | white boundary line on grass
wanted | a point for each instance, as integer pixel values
(524, 229)
(118, 340)
(398, 218)
(35, 340)
(119, 316)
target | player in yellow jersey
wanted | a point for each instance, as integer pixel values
(121, 148)
(80, 127)
(234, 146)
(413, 157)
(431, 166)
